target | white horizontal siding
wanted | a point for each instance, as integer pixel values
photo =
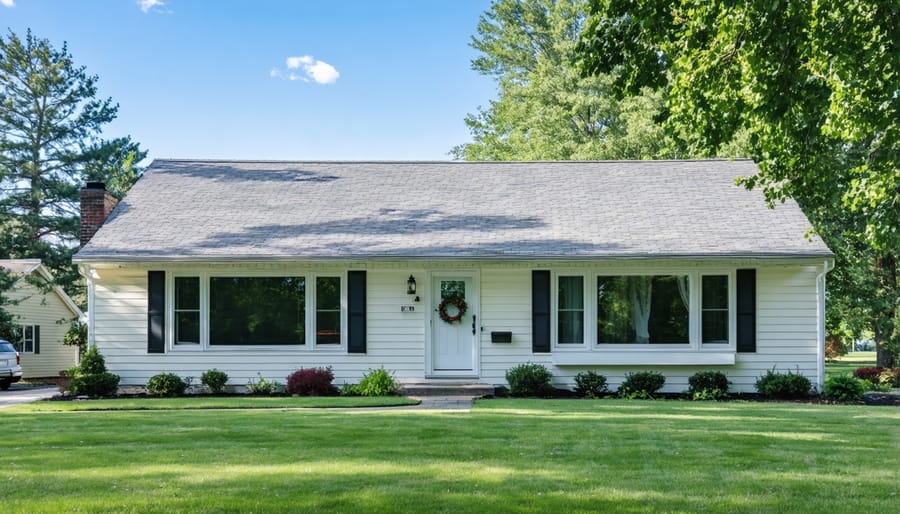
(786, 330)
(29, 306)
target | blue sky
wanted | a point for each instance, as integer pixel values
(303, 79)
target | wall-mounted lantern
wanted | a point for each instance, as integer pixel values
(411, 286)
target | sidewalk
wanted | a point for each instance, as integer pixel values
(23, 394)
(444, 402)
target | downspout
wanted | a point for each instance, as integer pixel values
(820, 326)
(88, 275)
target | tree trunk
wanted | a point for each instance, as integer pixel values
(886, 330)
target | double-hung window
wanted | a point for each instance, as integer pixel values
(187, 311)
(714, 310)
(570, 310)
(24, 338)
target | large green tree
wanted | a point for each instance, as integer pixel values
(546, 110)
(50, 143)
(815, 85)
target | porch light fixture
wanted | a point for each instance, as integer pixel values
(411, 285)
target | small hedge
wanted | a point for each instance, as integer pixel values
(844, 388)
(311, 382)
(529, 379)
(641, 384)
(92, 363)
(783, 385)
(708, 385)
(376, 382)
(589, 384)
(871, 373)
(215, 380)
(90, 378)
(166, 384)
(96, 384)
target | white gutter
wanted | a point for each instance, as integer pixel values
(820, 326)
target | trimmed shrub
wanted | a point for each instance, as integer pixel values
(708, 385)
(311, 382)
(262, 386)
(783, 385)
(90, 377)
(95, 384)
(844, 388)
(215, 380)
(166, 384)
(92, 363)
(641, 384)
(589, 384)
(870, 373)
(529, 379)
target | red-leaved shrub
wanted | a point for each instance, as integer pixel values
(870, 373)
(311, 382)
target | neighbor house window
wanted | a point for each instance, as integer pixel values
(24, 338)
(570, 310)
(328, 310)
(257, 311)
(714, 309)
(648, 309)
(187, 310)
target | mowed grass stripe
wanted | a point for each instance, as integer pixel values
(504, 456)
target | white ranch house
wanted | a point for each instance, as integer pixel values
(266, 267)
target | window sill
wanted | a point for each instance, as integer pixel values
(660, 358)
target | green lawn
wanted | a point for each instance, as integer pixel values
(503, 456)
(223, 402)
(846, 364)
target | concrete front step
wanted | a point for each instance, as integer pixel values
(446, 388)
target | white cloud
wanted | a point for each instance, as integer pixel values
(147, 5)
(319, 71)
(8, 3)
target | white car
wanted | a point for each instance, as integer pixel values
(10, 368)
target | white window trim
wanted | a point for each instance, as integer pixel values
(21, 338)
(732, 312)
(693, 345)
(554, 306)
(310, 313)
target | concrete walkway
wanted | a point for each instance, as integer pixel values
(444, 402)
(24, 394)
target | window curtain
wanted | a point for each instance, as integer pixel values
(683, 291)
(639, 291)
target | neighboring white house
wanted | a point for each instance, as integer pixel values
(43, 314)
(266, 267)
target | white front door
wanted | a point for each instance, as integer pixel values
(454, 342)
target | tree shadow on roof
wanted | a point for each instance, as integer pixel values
(251, 172)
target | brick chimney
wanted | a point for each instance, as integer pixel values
(96, 205)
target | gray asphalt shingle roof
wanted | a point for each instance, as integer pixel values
(232, 210)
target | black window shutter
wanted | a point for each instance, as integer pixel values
(156, 312)
(356, 312)
(746, 310)
(37, 339)
(540, 311)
